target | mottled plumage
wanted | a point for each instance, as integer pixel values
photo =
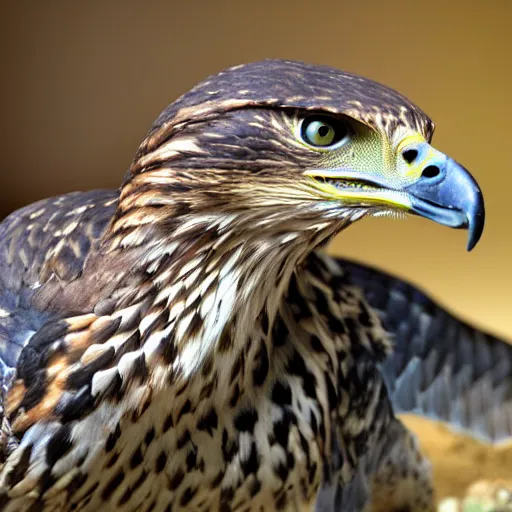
(181, 344)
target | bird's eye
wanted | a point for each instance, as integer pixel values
(323, 131)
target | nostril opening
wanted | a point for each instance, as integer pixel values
(410, 155)
(431, 171)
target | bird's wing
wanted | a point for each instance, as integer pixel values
(46, 240)
(441, 367)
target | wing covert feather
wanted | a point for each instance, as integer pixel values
(441, 367)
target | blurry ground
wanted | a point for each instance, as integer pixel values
(459, 462)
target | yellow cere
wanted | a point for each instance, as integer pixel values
(413, 171)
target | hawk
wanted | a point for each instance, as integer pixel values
(183, 343)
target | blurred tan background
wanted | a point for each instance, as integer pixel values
(81, 83)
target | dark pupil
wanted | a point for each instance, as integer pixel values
(323, 130)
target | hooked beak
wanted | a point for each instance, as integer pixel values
(436, 187)
(453, 198)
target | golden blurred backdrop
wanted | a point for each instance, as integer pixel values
(83, 81)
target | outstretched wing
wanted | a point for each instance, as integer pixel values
(441, 367)
(46, 240)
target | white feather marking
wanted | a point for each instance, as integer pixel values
(227, 221)
(92, 352)
(221, 309)
(193, 222)
(216, 310)
(193, 295)
(36, 214)
(102, 379)
(160, 250)
(168, 293)
(155, 255)
(221, 240)
(206, 282)
(146, 322)
(230, 264)
(245, 444)
(126, 362)
(152, 343)
(207, 304)
(117, 340)
(69, 228)
(183, 325)
(137, 396)
(160, 376)
(172, 148)
(127, 314)
(289, 238)
(176, 310)
(164, 276)
(193, 263)
(136, 237)
(190, 357)
(155, 265)
(79, 210)
(191, 280)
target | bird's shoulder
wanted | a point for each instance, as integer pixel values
(43, 242)
(52, 238)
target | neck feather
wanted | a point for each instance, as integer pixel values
(215, 273)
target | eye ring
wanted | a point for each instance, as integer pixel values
(323, 132)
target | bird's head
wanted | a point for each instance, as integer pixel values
(289, 148)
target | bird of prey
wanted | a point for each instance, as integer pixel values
(183, 344)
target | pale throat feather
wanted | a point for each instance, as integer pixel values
(221, 287)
